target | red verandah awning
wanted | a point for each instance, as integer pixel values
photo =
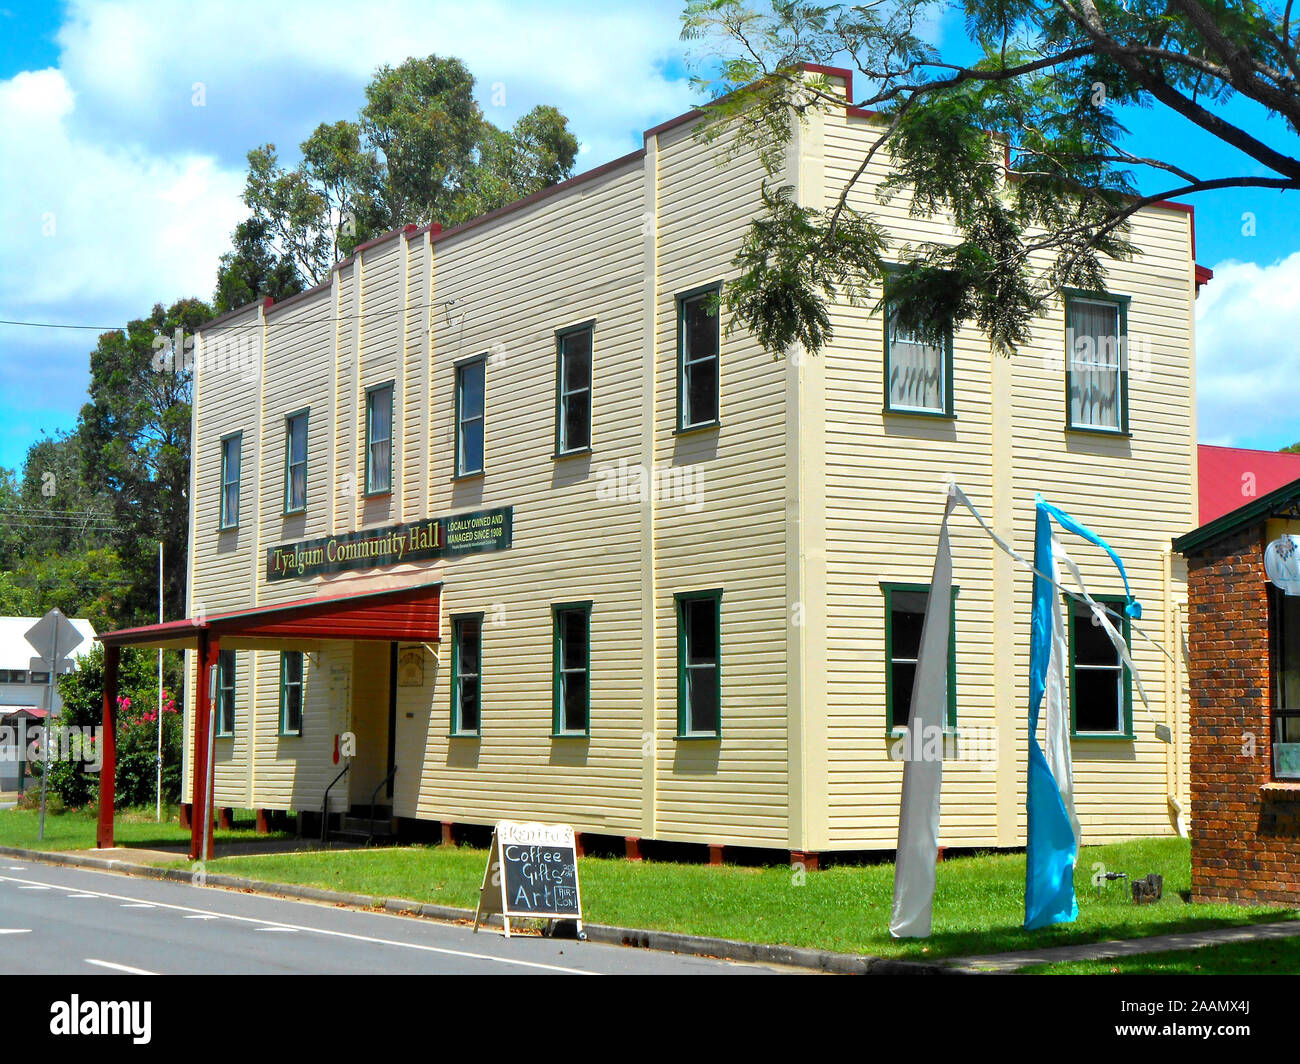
(410, 614)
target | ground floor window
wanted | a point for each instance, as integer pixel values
(291, 692)
(904, 617)
(699, 664)
(1285, 613)
(1101, 704)
(225, 708)
(571, 662)
(466, 680)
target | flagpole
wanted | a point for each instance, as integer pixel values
(160, 679)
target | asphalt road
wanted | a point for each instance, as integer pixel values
(72, 921)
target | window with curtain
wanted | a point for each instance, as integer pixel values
(379, 440)
(295, 474)
(1094, 337)
(917, 372)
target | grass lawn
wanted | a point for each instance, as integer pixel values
(75, 829)
(1267, 957)
(979, 900)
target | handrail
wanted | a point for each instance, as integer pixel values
(375, 794)
(325, 806)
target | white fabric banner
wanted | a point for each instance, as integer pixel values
(918, 821)
(1056, 700)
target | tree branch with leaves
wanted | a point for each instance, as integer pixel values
(1022, 148)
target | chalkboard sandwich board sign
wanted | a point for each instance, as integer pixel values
(532, 872)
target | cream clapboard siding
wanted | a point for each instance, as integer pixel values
(299, 375)
(227, 399)
(1137, 492)
(501, 289)
(736, 790)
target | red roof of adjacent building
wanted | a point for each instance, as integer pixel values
(1230, 477)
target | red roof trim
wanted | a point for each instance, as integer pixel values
(352, 611)
(306, 293)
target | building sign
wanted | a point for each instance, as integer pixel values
(434, 538)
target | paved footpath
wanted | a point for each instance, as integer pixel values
(1094, 951)
(56, 919)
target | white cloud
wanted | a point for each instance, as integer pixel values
(273, 71)
(84, 221)
(1248, 354)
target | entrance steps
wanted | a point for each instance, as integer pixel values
(355, 825)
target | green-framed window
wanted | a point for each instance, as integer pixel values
(573, 356)
(571, 668)
(904, 617)
(699, 362)
(471, 416)
(467, 674)
(1096, 361)
(699, 664)
(230, 450)
(291, 690)
(1284, 616)
(1101, 696)
(295, 462)
(225, 707)
(379, 439)
(918, 372)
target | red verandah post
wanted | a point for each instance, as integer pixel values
(201, 815)
(108, 750)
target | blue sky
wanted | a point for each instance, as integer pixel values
(118, 191)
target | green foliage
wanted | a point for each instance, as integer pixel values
(787, 278)
(1021, 149)
(420, 151)
(136, 733)
(57, 538)
(134, 436)
(252, 268)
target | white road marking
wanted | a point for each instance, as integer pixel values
(198, 917)
(17, 868)
(119, 967)
(35, 886)
(289, 929)
(82, 895)
(15, 930)
(139, 905)
(418, 946)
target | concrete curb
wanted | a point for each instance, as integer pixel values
(663, 941)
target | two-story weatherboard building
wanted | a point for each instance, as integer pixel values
(506, 520)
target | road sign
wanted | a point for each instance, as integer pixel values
(54, 636)
(43, 665)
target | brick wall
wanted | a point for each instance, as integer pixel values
(1245, 830)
